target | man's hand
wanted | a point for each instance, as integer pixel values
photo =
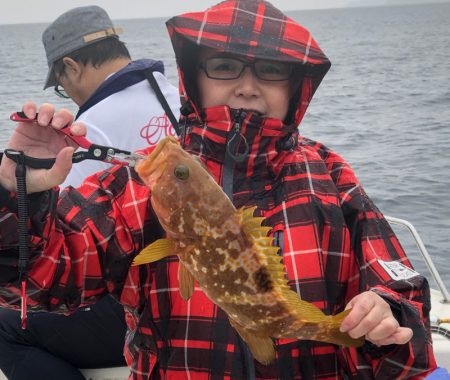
(41, 140)
(371, 316)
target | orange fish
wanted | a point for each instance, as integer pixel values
(229, 254)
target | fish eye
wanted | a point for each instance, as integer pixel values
(181, 172)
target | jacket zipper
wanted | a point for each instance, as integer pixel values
(231, 155)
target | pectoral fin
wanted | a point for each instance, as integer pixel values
(186, 281)
(261, 347)
(157, 250)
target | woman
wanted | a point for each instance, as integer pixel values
(247, 73)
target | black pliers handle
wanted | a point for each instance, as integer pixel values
(93, 151)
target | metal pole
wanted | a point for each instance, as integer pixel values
(426, 256)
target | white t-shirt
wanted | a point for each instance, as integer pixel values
(130, 119)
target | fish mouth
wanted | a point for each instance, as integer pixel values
(151, 169)
(156, 152)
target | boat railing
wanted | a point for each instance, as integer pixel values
(425, 255)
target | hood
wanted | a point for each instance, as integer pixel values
(251, 29)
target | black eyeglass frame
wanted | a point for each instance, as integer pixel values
(59, 90)
(251, 64)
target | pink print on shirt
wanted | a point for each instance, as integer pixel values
(157, 128)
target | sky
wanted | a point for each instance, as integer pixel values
(30, 11)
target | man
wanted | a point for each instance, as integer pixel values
(87, 60)
(248, 74)
(93, 67)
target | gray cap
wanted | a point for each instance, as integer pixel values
(73, 30)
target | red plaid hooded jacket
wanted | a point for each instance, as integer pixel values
(333, 239)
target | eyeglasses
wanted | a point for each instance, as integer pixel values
(59, 90)
(226, 68)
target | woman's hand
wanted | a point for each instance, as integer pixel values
(371, 316)
(40, 139)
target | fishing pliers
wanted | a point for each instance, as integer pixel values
(93, 151)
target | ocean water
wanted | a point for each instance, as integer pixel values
(384, 105)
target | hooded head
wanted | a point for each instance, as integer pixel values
(250, 30)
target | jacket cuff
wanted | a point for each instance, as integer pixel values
(408, 313)
(394, 303)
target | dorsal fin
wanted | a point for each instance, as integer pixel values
(263, 244)
(252, 225)
(269, 253)
(247, 212)
(303, 310)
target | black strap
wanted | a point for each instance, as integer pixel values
(162, 100)
(22, 208)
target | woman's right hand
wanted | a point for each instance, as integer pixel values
(40, 139)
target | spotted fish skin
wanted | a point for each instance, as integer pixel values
(229, 254)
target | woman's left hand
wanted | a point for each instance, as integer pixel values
(371, 316)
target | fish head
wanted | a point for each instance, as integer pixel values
(184, 196)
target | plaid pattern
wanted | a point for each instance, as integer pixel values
(330, 233)
(333, 236)
(252, 29)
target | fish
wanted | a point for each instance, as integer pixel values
(230, 255)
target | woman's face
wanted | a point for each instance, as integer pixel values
(270, 98)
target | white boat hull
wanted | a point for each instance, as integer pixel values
(441, 343)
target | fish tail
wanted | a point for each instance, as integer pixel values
(338, 337)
